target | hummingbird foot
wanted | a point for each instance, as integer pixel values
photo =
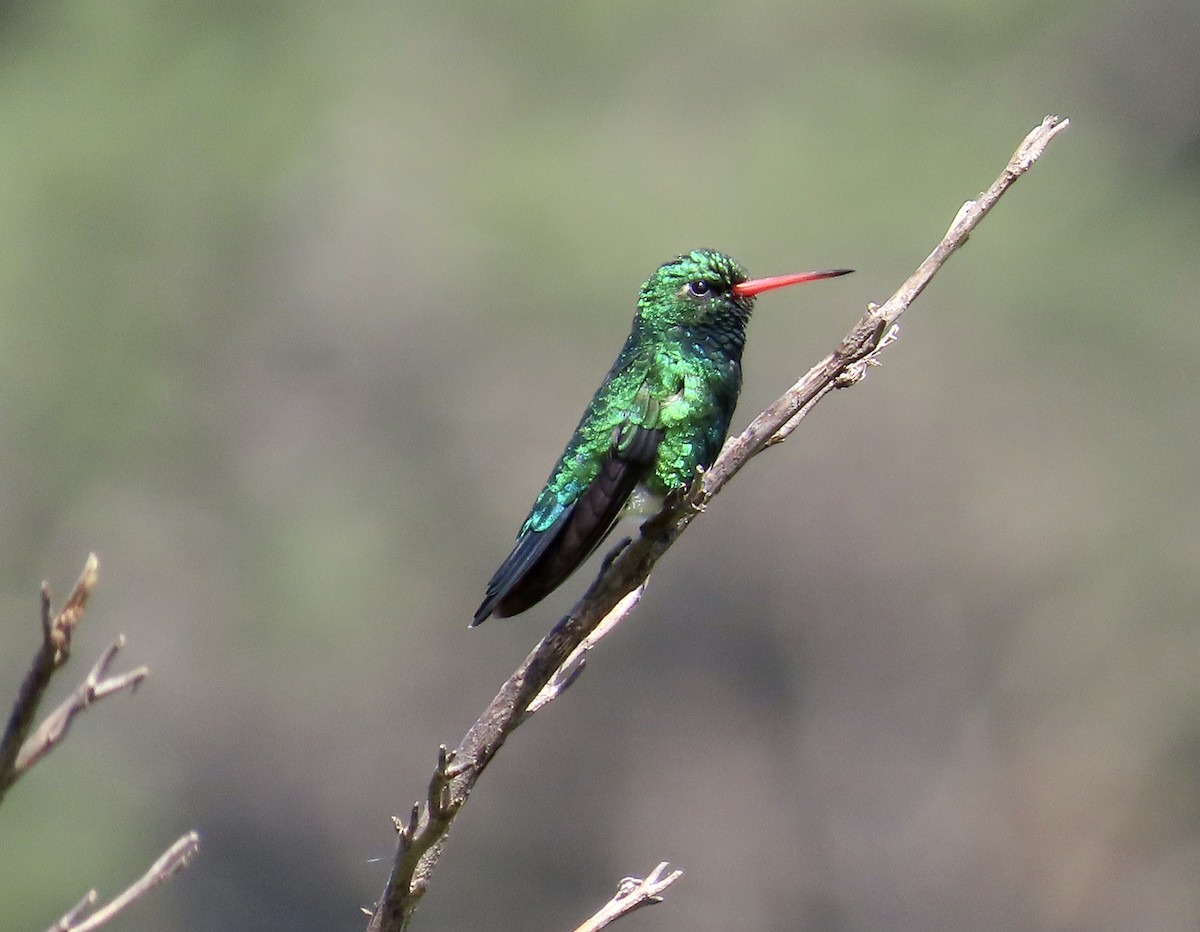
(614, 553)
(697, 497)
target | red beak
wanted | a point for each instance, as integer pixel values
(758, 285)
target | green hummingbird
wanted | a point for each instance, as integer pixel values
(660, 414)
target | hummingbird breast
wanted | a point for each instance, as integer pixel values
(699, 376)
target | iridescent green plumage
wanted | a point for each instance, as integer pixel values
(661, 413)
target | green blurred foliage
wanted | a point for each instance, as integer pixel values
(298, 304)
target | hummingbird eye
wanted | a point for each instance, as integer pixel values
(699, 288)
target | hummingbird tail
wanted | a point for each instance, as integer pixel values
(543, 559)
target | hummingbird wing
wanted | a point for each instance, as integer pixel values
(542, 559)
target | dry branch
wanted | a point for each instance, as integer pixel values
(52, 654)
(97, 685)
(423, 835)
(19, 750)
(169, 863)
(632, 893)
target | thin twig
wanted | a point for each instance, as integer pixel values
(95, 687)
(423, 836)
(632, 893)
(170, 863)
(848, 364)
(71, 917)
(565, 675)
(19, 750)
(52, 654)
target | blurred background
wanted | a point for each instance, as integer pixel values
(299, 303)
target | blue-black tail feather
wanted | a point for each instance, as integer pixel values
(541, 560)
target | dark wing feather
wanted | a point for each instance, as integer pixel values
(543, 559)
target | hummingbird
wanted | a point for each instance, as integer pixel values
(660, 415)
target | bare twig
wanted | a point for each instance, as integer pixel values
(52, 654)
(72, 916)
(170, 863)
(423, 836)
(566, 674)
(96, 686)
(20, 750)
(632, 893)
(848, 364)
(550, 667)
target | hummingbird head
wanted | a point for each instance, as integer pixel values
(695, 288)
(707, 288)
